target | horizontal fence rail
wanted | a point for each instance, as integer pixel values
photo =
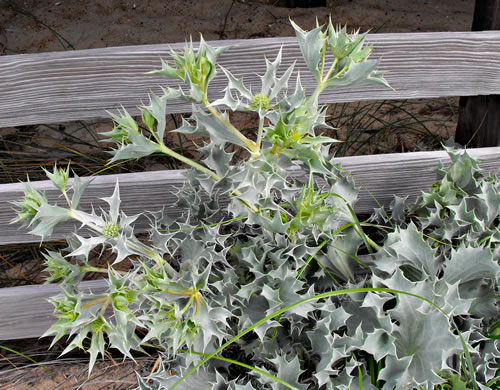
(381, 175)
(25, 311)
(83, 84)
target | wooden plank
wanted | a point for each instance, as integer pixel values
(78, 85)
(383, 175)
(479, 116)
(25, 311)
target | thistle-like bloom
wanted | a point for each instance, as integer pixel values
(114, 227)
(271, 95)
(111, 230)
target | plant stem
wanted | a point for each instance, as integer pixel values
(105, 305)
(188, 161)
(90, 268)
(249, 144)
(322, 84)
(96, 302)
(67, 198)
(260, 133)
(262, 372)
(332, 68)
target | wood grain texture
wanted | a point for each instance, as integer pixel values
(25, 312)
(383, 175)
(80, 85)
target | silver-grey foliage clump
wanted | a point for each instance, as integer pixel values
(420, 313)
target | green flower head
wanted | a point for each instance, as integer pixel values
(260, 100)
(111, 230)
(28, 207)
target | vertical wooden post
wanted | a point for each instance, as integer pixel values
(479, 116)
(305, 3)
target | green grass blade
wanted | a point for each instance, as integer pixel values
(26, 357)
(262, 372)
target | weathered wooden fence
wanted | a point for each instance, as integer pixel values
(78, 85)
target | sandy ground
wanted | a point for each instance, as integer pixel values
(95, 24)
(41, 26)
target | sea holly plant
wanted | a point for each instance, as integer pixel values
(285, 286)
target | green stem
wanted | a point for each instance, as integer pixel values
(332, 68)
(249, 144)
(260, 133)
(301, 270)
(184, 309)
(322, 84)
(67, 198)
(180, 157)
(357, 227)
(323, 54)
(90, 268)
(105, 306)
(262, 372)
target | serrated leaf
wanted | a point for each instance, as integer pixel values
(311, 45)
(140, 146)
(491, 197)
(406, 247)
(468, 263)
(339, 252)
(426, 339)
(217, 159)
(97, 345)
(169, 71)
(47, 218)
(271, 84)
(290, 102)
(422, 334)
(158, 108)
(213, 322)
(209, 126)
(178, 94)
(380, 344)
(236, 84)
(86, 245)
(358, 72)
(289, 371)
(78, 187)
(114, 203)
(318, 140)
(321, 339)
